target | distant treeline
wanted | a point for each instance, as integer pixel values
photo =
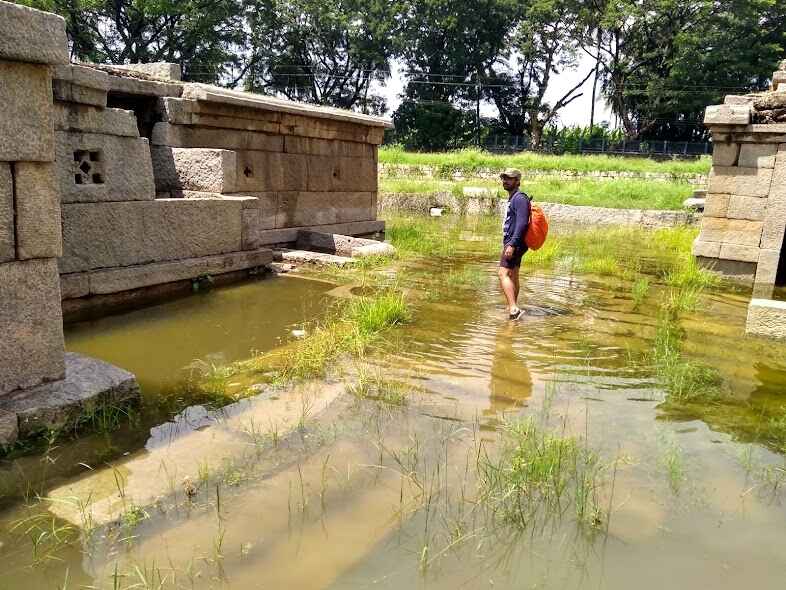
(657, 62)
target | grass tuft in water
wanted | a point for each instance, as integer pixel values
(539, 476)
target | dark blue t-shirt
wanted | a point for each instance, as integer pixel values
(516, 220)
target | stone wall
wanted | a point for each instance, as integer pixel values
(197, 174)
(742, 233)
(31, 348)
(397, 171)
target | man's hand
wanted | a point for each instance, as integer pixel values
(509, 251)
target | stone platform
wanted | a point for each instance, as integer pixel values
(89, 385)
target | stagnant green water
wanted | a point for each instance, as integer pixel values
(318, 489)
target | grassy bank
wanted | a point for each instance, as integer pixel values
(616, 194)
(469, 161)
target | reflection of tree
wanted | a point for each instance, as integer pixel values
(511, 382)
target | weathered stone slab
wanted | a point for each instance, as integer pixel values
(738, 100)
(89, 119)
(342, 245)
(161, 70)
(107, 235)
(716, 205)
(138, 86)
(194, 169)
(268, 171)
(706, 249)
(357, 228)
(37, 211)
(758, 155)
(74, 285)
(80, 84)
(261, 217)
(73, 93)
(82, 76)
(775, 220)
(316, 258)
(213, 94)
(326, 173)
(735, 180)
(308, 126)
(725, 154)
(117, 168)
(26, 119)
(7, 239)
(298, 209)
(767, 318)
(731, 231)
(258, 125)
(727, 115)
(752, 208)
(88, 383)
(31, 322)
(325, 147)
(740, 271)
(103, 282)
(767, 267)
(175, 110)
(208, 137)
(740, 253)
(32, 35)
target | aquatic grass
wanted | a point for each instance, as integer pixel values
(671, 460)
(639, 291)
(420, 236)
(372, 384)
(684, 381)
(472, 160)
(349, 328)
(538, 476)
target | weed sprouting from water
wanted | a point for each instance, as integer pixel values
(372, 384)
(671, 460)
(538, 476)
(639, 291)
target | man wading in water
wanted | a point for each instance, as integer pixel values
(513, 246)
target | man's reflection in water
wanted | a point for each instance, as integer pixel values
(511, 383)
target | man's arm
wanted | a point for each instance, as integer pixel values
(521, 208)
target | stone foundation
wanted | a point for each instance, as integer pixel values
(742, 233)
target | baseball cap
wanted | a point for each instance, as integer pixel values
(511, 173)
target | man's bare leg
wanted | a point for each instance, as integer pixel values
(508, 280)
(514, 276)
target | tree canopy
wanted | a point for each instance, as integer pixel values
(658, 63)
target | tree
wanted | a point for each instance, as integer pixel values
(663, 61)
(201, 35)
(323, 51)
(545, 44)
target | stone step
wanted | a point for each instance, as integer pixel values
(184, 449)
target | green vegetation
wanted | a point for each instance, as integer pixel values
(469, 161)
(538, 476)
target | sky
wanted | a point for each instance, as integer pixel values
(576, 113)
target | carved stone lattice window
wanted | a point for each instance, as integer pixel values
(88, 167)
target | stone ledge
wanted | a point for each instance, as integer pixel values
(88, 384)
(206, 93)
(767, 317)
(31, 35)
(116, 280)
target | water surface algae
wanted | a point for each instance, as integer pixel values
(623, 433)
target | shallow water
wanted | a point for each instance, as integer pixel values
(340, 493)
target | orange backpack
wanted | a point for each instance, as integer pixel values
(538, 228)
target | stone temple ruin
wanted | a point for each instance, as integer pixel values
(116, 182)
(742, 231)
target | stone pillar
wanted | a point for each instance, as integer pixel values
(31, 346)
(745, 211)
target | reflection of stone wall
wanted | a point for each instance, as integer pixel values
(745, 212)
(31, 348)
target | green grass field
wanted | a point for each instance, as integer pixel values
(617, 194)
(469, 161)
